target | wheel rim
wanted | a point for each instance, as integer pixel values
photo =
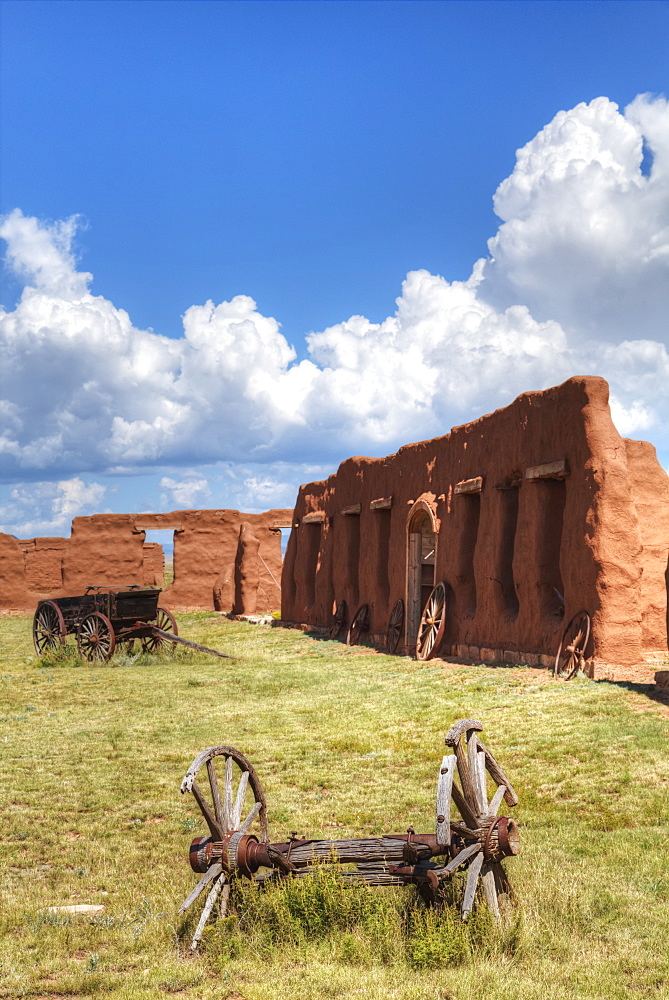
(358, 625)
(167, 623)
(432, 624)
(395, 623)
(338, 620)
(95, 638)
(573, 645)
(48, 628)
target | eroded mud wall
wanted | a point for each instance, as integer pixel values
(13, 590)
(43, 561)
(535, 518)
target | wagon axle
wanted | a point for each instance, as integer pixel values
(477, 842)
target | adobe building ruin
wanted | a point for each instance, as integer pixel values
(528, 515)
(223, 559)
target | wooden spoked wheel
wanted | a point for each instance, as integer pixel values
(571, 654)
(359, 625)
(339, 620)
(48, 628)
(395, 623)
(482, 838)
(95, 638)
(156, 643)
(432, 624)
(231, 802)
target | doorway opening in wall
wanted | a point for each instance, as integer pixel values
(158, 557)
(284, 531)
(422, 543)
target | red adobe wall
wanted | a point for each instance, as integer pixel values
(43, 560)
(223, 559)
(585, 529)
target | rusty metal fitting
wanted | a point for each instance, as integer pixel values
(502, 839)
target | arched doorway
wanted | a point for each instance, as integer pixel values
(421, 551)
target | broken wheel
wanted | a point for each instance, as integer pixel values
(432, 624)
(338, 620)
(483, 838)
(359, 625)
(233, 807)
(395, 623)
(571, 653)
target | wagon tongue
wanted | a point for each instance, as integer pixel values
(159, 633)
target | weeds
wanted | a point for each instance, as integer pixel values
(345, 744)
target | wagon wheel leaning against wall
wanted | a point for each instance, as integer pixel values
(571, 652)
(48, 628)
(157, 643)
(338, 620)
(395, 624)
(359, 625)
(232, 806)
(483, 838)
(432, 624)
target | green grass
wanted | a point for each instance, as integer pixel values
(346, 743)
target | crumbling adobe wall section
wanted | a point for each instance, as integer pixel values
(13, 590)
(223, 559)
(649, 484)
(43, 561)
(533, 503)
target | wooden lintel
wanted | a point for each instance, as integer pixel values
(316, 517)
(353, 508)
(383, 503)
(469, 486)
(550, 470)
(157, 527)
(281, 527)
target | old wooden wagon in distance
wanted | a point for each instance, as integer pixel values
(103, 617)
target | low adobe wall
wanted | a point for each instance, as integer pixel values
(223, 559)
(537, 511)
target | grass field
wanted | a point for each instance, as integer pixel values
(346, 743)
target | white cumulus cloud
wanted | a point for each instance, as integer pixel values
(578, 283)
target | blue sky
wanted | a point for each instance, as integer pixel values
(309, 156)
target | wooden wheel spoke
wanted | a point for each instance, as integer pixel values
(206, 912)
(227, 796)
(249, 819)
(239, 800)
(472, 882)
(488, 879)
(496, 801)
(210, 874)
(219, 810)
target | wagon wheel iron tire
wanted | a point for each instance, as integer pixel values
(95, 638)
(432, 624)
(571, 653)
(165, 621)
(395, 625)
(235, 804)
(338, 620)
(359, 625)
(477, 770)
(48, 628)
